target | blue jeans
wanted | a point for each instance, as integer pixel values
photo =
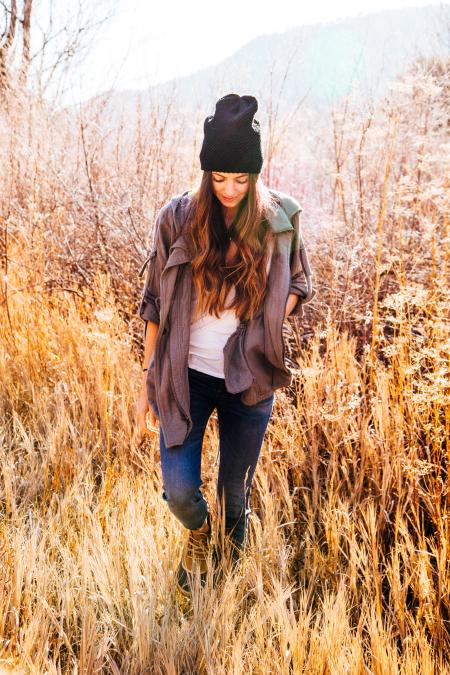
(241, 434)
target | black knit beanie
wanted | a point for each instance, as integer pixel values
(232, 138)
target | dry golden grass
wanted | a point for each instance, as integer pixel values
(347, 571)
(348, 565)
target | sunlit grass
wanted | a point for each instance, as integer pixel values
(347, 567)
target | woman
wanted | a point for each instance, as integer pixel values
(223, 274)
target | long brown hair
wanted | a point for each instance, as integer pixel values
(207, 235)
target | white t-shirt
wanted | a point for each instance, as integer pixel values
(208, 336)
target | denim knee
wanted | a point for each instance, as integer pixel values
(187, 504)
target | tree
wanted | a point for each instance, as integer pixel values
(7, 39)
(44, 40)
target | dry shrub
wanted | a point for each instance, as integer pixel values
(348, 565)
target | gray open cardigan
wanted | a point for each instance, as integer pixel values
(254, 355)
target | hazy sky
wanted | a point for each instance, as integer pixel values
(147, 42)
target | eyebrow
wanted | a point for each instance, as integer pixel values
(241, 175)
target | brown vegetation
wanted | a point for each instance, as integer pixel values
(348, 567)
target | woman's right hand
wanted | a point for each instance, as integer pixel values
(144, 412)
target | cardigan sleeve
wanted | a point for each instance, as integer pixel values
(149, 306)
(298, 283)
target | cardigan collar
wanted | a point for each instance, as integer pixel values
(279, 219)
(179, 253)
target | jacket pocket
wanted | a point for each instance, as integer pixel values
(240, 377)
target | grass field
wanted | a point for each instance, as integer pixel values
(347, 569)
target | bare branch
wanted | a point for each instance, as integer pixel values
(26, 26)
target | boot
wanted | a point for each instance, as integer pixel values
(194, 556)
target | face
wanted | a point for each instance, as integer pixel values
(230, 188)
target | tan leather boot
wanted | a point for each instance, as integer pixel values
(194, 556)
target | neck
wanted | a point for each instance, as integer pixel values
(229, 214)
